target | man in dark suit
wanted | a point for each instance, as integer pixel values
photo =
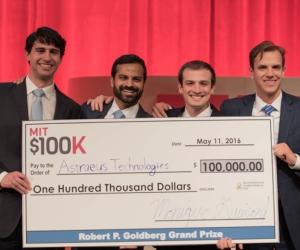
(44, 51)
(128, 77)
(196, 84)
(267, 65)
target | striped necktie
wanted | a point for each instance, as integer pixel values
(268, 109)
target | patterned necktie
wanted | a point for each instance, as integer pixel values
(37, 105)
(268, 109)
(118, 114)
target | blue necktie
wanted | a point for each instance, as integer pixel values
(268, 109)
(118, 114)
(37, 105)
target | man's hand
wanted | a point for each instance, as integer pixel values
(19, 80)
(158, 110)
(225, 243)
(283, 152)
(128, 247)
(98, 101)
(17, 181)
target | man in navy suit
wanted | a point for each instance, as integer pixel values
(44, 51)
(267, 65)
(128, 77)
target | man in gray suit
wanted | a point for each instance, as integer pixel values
(267, 66)
(44, 51)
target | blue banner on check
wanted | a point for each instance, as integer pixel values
(179, 234)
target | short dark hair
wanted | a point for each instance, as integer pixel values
(46, 35)
(195, 65)
(262, 47)
(128, 58)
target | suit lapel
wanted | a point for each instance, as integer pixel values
(106, 108)
(214, 112)
(141, 113)
(286, 116)
(59, 106)
(246, 108)
(179, 112)
(20, 99)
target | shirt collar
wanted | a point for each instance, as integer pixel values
(130, 112)
(259, 103)
(205, 113)
(30, 86)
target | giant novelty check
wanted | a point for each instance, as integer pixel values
(149, 182)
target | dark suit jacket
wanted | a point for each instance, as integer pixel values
(13, 110)
(177, 112)
(89, 114)
(289, 132)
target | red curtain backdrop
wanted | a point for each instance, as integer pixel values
(166, 33)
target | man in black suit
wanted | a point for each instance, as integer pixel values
(44, 51)
(128, 77)
(267, 65)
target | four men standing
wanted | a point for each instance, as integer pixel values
(38, 98)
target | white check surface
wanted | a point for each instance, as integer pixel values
(149, 182)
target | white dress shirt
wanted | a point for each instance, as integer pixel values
(2, 176)
(205, 113)
(257, 111)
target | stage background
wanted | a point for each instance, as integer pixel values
(166, 33)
